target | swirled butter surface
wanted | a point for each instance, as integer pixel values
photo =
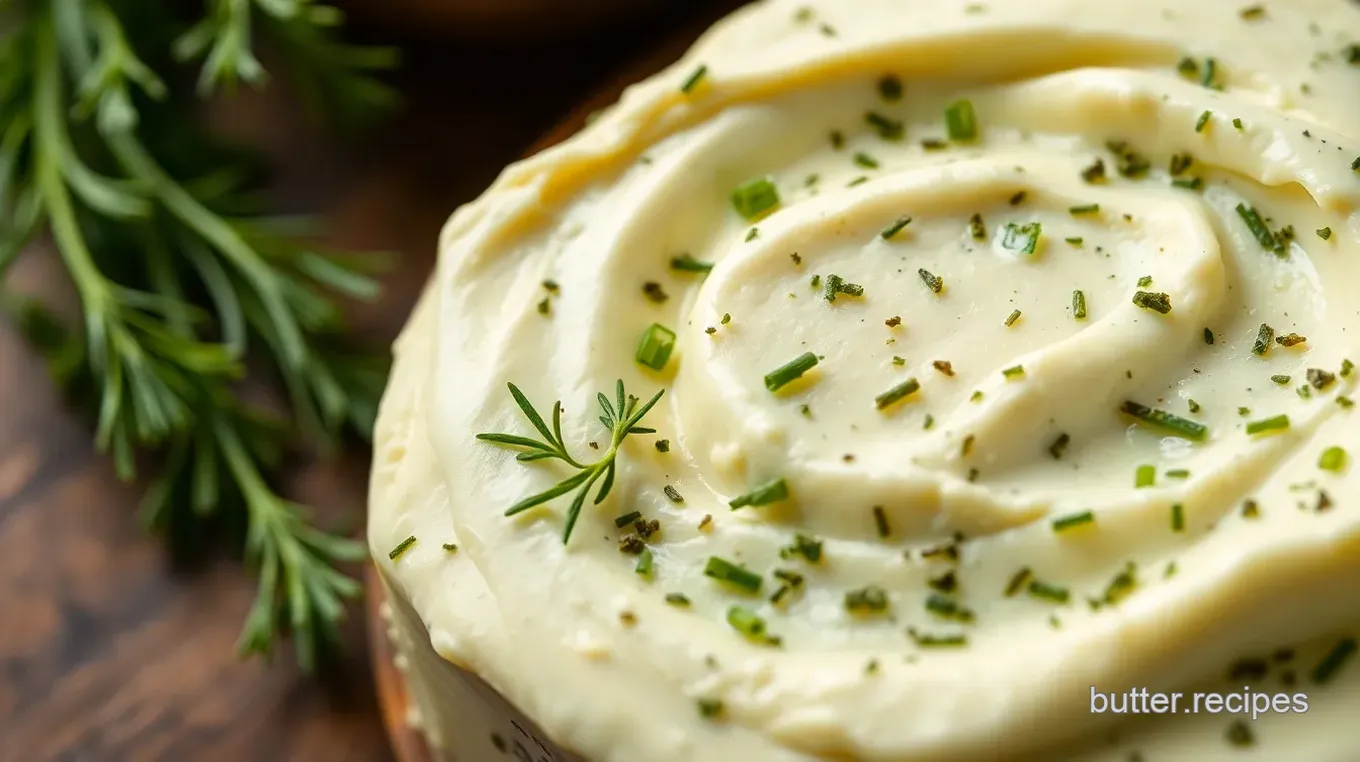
(1021, 336)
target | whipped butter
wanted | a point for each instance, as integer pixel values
(1021, 333)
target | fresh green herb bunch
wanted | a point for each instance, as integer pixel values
(180, 279)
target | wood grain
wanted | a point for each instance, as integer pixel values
(109, 649)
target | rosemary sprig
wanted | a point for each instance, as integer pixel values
(180, 283)
(621, 418)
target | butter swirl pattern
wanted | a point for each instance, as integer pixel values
(1008, 348)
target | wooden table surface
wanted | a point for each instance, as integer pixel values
(109, 649)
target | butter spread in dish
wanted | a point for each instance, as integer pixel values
(1007, 355)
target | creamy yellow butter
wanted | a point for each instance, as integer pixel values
(1156, 215)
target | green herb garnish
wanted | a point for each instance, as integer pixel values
(1264, 335)
(897, 393)
(1018, 581)
(770, 492)
(1332, 459)
(867, 600)
(1048, 592)
(677, 599)
(643, 568)
(655, 346)
(756, 198)
(881, 522)
(401, 548)
(888, 129)
(807, 547)
(747, 622)
(627, 519)
(1203, 121)
(1022, 238)
(1011, 318)
(933, 282)
(947, 608)
(896, 227)
(1079, 305)
(1076, 211)
(960, 121)
(1157, 302)
(1333, 661)
(1324, 233)
(692, 81)
(1145, 476)
(865, 160)
(927, 640)
(890, 87)
(790, 371)
(836, 285)
(709, 708)
(726, 571)
(1059, 445)
(1163, 420)
(621, 418)
(1013, 372)
(1177, 517)
(1258, 229)
(687, 263)
(1072, 521)
(1266, 425)
(977, 228)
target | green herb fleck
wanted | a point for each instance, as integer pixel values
(401, 548)
(933, 282)
(1145, 476)
(655, 347)
(895, 228)
(1203, 121)
(1267, 425)
(1072, 521)
(960, 121)
(1079, 305)
(1163, 420)
(867, 600)
(1177, 517)
(756, 198)
(687, 263)
(888, 129)
(1011, 318)
(1264, 335)
(771, 492)
(1022, 238)
(693, 80)
(1046, 591)
(1157, 302)
(896, 394)
(890, 87)
(726, 571)
(790, 371)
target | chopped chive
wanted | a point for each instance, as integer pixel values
(1178, 473)
(1203, 121)
(1210, 69)
(933, 144)
(1094, 173)
(975, 396)
(654, 292)
(836, 285)
(655, 347)
(673, 494)
(1177, 517)
(1333, 661)
(947, 608)
(1022, 238)
(693, 80)
(899, 360)
(1191, 183)
(1125, 582)
(857, 181)
(747, 622)
(627, 519)
(726, 571)
(862, 159)
(1324, 233)
(1014, 372)
(756, 198)
(402, 547)
(896, 227)
(867, 600)
(1079, 305)
(1048, 592)
(1131, 164)
(1280, 379)
(1320, 379)
(450, 547)
(687, 263)
(1193, 405)
(1018, 581)
(888, 129)
(1346, 367)
(1145, 281)
(1188, 67)
(960, 121)
(1075, 240)
(1265, 425)
(790, 371)
(933, 282)
(897, 393)
(1237, 123)
(890, 87)
(927, 640)
(977, 228)
(1010, 319)
(1332, 459)
(1084, 209)
(807, 547)
(770, 492)
(928, 422)
(1145, 476)
(644, 563)
(1059, 445)
(1258, 229)
(1018, 198)
(1072, 521)
(1208, 336)
(1290, 340)
(1264, 335)
(1157, 302)
(1180, 162)
(709, 708)
(677, 599)
(1344, 401)
(1164, 420)
(881, 522)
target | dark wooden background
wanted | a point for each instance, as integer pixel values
(110, 652)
